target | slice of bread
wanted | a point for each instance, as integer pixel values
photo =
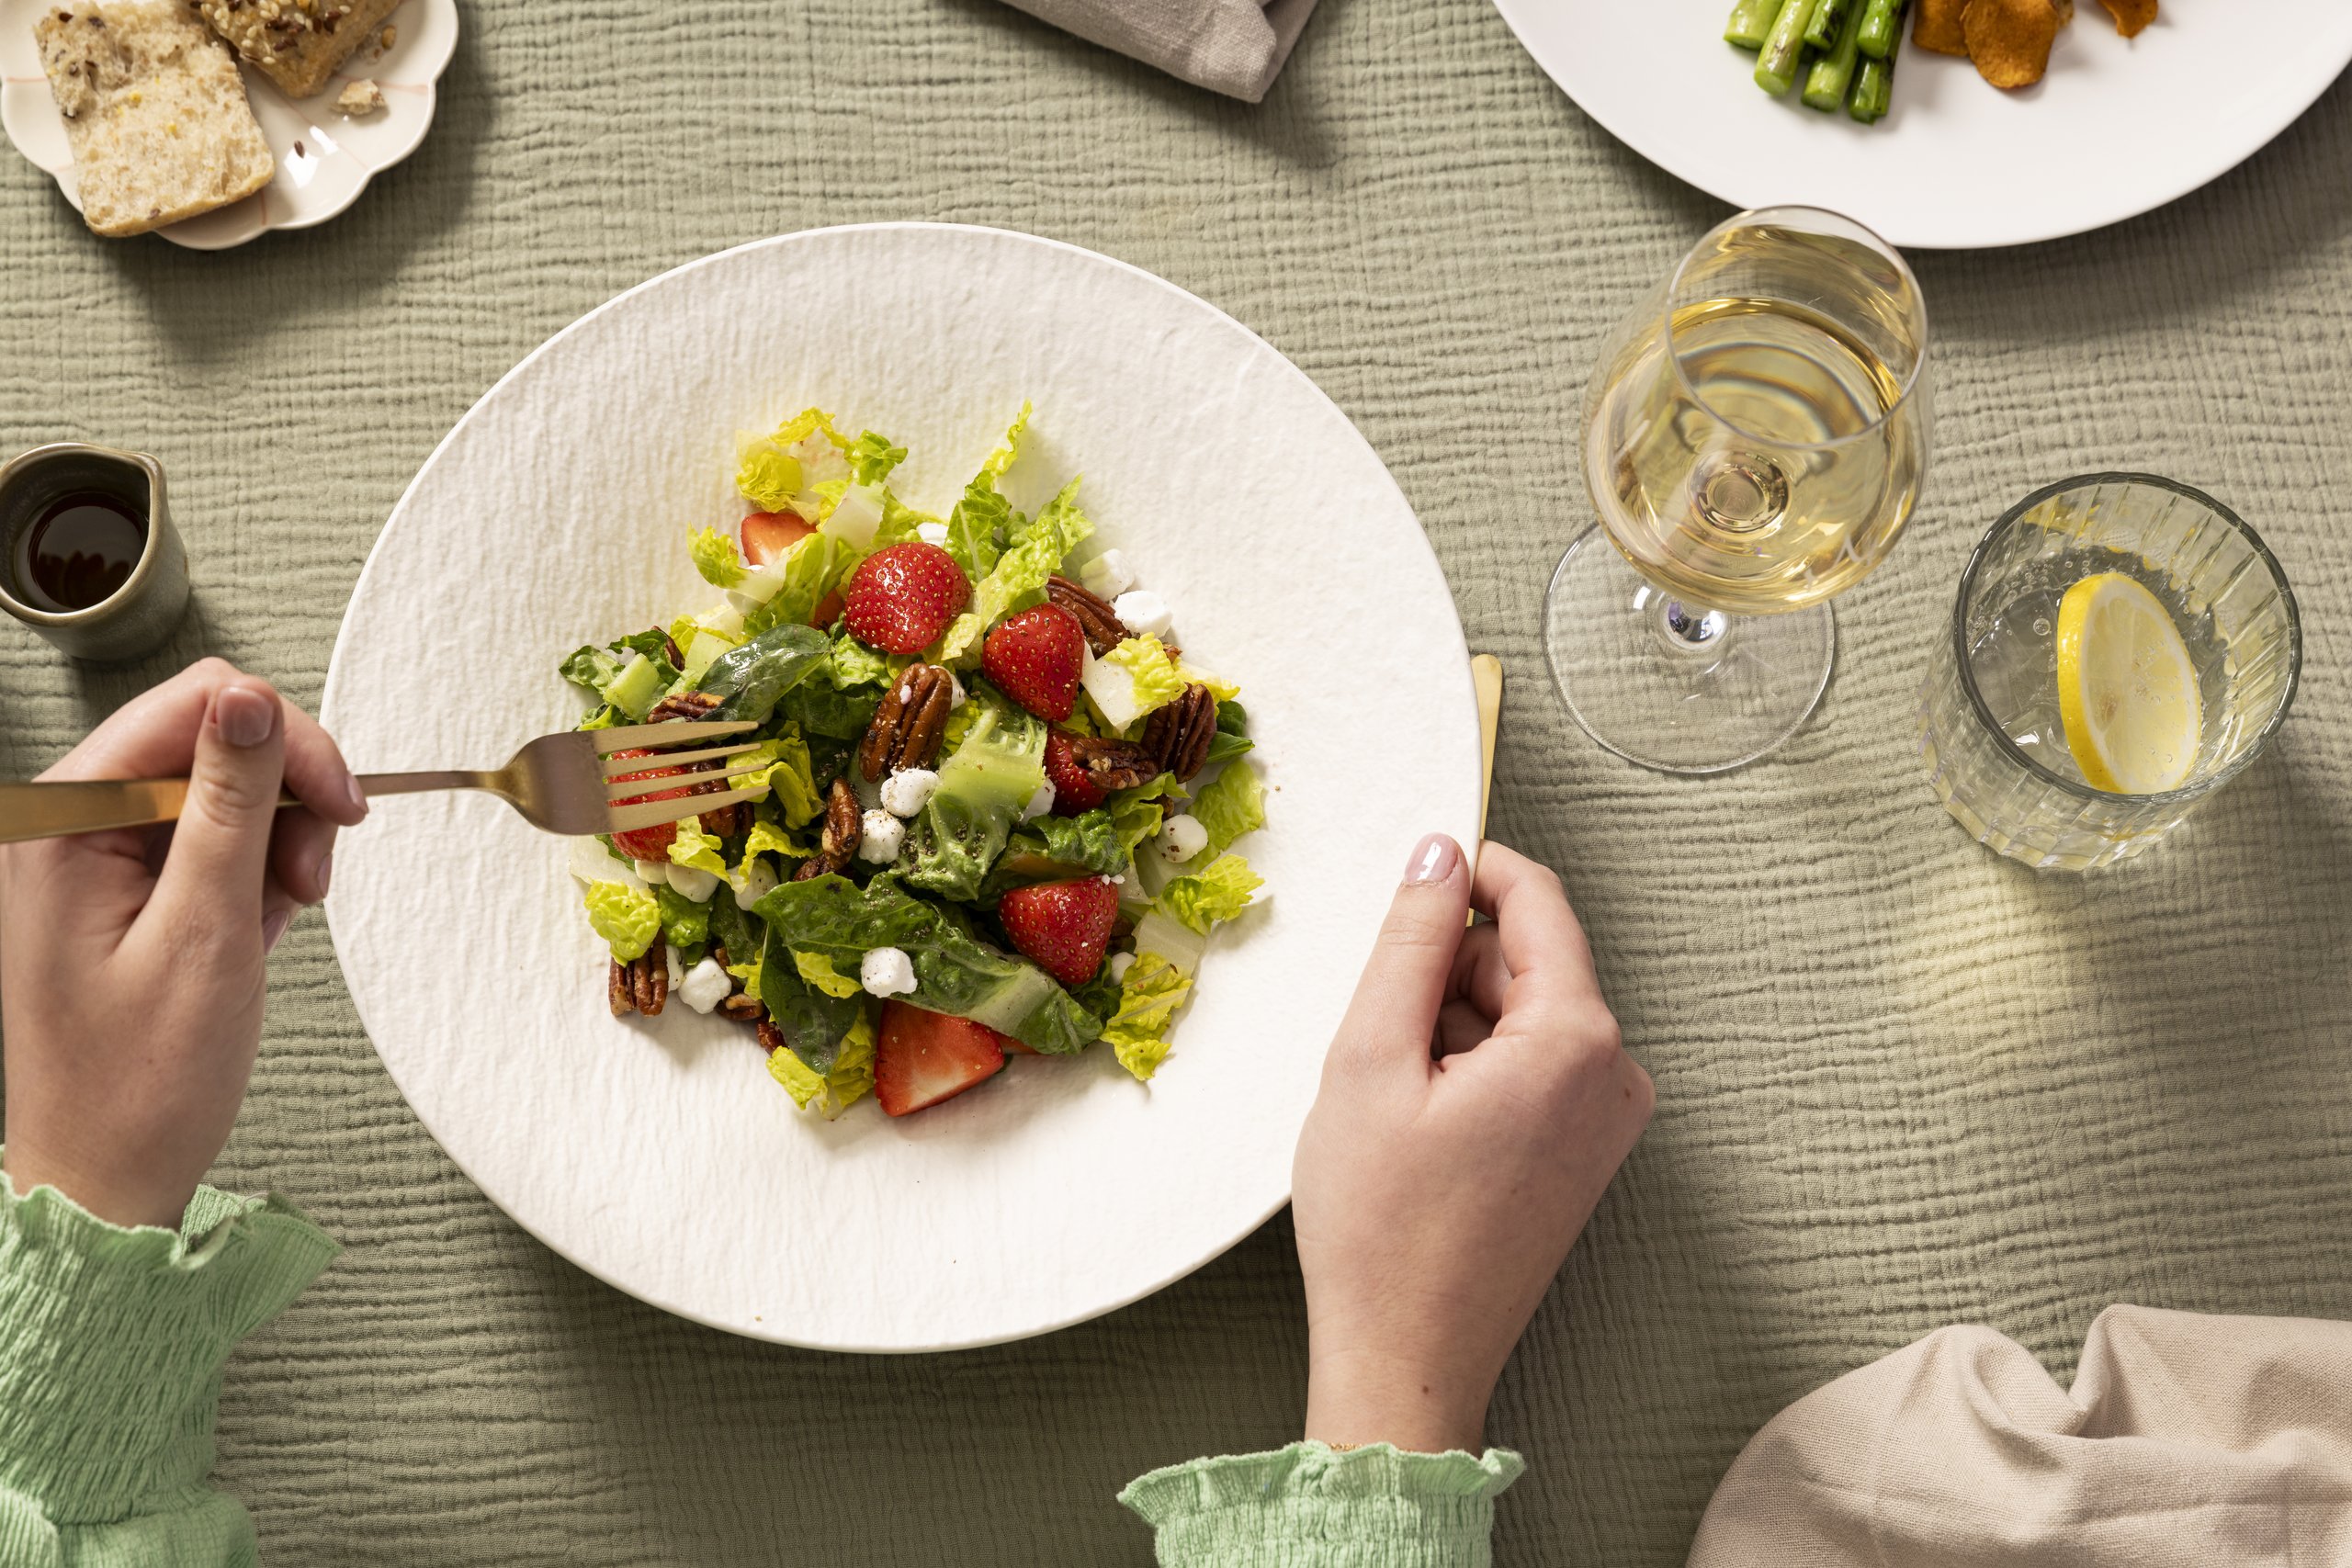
(296, 43)
(154, 109)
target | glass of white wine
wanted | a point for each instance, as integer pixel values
(1755, 436)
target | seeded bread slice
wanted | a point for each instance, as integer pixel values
(154, 109)
(296, 43)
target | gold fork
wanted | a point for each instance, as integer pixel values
(566, 783)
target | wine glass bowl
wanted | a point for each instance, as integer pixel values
(1756, 434)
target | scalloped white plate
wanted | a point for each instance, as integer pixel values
(656, 1152)
(2119, 127)
(324, 158)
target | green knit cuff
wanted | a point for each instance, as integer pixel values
(112, 1339)
(1312, 1506)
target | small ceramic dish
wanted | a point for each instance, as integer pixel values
(324, 158)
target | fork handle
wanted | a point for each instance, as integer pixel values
(92, 805)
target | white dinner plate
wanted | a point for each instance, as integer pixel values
(657, 1154)
(2118, 127)
(324, 158)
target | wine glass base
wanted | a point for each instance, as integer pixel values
(1721, 693)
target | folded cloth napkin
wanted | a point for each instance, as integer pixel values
(2187, 1441)
(1234, 47)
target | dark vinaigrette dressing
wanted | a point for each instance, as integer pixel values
(78, 551)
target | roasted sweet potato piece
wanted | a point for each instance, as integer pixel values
(2009, 39)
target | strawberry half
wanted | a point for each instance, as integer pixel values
(1073, 790)
(1063, 927)
(770, 536)
(901, 597)
(922, 1058)
(650, 843)
(1037, 658)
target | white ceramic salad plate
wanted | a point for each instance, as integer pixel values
(657, 1154)
(324, 158)
(2119, 127)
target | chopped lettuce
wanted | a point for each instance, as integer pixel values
(1229, 805)
(839, 700)
(811, 568)
(684, 923)
(768, 836)
(750, 680)
(1154, 989)
(830, 1093)
(697, 849)
(629, 674)
(1051, 848)
(955, 971)
(716, 558)
(1132, 680)
(811, 1021)
(778, 472)
(1223, 690)
(818, 970)
(983, 787)
(1034, 554)
(1138, 811)
(790, 776)
(871, 458)
(1217, 893)
(976, 521)
(627, 918)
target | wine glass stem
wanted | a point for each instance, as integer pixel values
(1690, 629)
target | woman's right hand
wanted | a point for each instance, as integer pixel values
(1473, 1109)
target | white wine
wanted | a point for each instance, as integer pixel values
(1757, 458)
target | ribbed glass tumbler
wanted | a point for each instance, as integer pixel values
(1989, 724)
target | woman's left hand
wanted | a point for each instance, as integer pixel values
(130, 962)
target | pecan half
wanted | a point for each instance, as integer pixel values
(1104, 630)
(843, 828)
(771, 1038)
(669, 651)
(1179, 734)
(743, 1009)
(1112, 763)
(640, 985)
(681, 705)
(907, 727)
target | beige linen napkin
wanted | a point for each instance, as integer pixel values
(2186, 1440)
(1234, 47)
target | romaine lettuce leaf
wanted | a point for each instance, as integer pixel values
(871, 458)
(641, 658)
(778, 472)
(750, 680)
(716, 558)
(818, 970)
(811, 1021)
(695, 848)
(1233, 803)
(1223, 690)
(1051, 848)
(627, 918)
(1213, 894)
(840, 699)
(955, 971)
(983, 785)
(790, 777)
(1132, 680)
(812, 568)
(1034, 554)
(684, 923)
(1154, 989)
(978, 520)
(830, 1093)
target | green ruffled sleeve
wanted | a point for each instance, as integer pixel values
(111, 1344)
(1312, 1506)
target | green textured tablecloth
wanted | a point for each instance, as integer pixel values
(1900, 1082)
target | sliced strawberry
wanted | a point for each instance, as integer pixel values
(924, 1057)
(901, 597)
(770, 536)
(1063, 927)
(650, 843)
(829, 610)
(1073, 790)
(1036, 656)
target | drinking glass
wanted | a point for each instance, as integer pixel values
(1990, 727)
(1754, 435)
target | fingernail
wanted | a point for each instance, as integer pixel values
(273, 930)
(326, 871)
(1434, 859)
(245, 716)
(359, 796)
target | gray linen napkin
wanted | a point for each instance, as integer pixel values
(1234, 47)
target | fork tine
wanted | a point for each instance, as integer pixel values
(635, 789)
(653, 813)
(670, 732)
(621, 767)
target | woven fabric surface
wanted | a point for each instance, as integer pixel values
(1902, 1083)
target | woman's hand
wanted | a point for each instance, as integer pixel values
(1472, 1108)
(130, 962)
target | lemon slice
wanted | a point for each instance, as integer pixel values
(2126, 688)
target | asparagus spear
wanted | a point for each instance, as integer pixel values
(1827, 23)
(1832, 73)
(1777, 61)
(1751, 20)
(1873, 89)
(1883, 26)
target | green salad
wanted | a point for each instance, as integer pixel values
(994, 804)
